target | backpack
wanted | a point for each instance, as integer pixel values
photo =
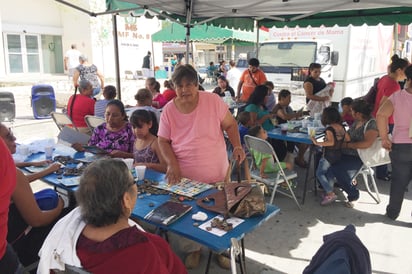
(370, 97)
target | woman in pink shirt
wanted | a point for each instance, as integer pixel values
(398, 105)
(191, 137)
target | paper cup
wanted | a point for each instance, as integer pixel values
(317, 116)
(49, 152)
(305, 123)
(140, 171)
(129, 163)
(284, 128)
(312, 131)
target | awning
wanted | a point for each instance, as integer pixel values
(174, 33)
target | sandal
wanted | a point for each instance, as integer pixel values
(301, 164)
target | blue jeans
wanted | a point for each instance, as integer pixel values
(344, 171)
(324, 175)
(401, 158)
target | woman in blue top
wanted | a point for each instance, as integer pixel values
(259, 114)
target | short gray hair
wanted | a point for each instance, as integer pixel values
(101, 190)
(83, 57)
(84, 84)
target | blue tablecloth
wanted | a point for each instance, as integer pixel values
(184, 226)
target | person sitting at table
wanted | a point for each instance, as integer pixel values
(109, 93)
(146, 149)
(265, 162)
(28, 223)
(356, 137)
(222, 86)
(271, 101)
(257, 108)
(144, 101)
(192, 142)
(98, 235)
(346, 113)
(334, 137)
(283, 113)
(169, 93)
(158, 100)
(80, 105)
(115, 136)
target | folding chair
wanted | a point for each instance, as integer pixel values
(93, 121)
(273, 180)
(367, 172)
(62, 120)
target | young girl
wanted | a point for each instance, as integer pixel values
(265, 162)
(334, 137)
(146, 150)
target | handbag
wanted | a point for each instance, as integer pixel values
(375, 155)
(239, 199)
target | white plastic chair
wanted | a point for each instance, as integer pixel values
(62, 120)
(273, 180)
(93, 121)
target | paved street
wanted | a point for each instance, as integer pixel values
(286, 243)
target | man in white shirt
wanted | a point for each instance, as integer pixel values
(71, 60)
(233, 75)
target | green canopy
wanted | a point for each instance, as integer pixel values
(174, 33)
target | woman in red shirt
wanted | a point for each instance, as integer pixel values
(80, 105)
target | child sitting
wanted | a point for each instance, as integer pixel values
(146, 150)
(284, 113)
(346, 114)
(265, 162)
(244, 124)
(334, 137)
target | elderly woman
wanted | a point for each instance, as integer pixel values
(399, 106)
(362, 134)
(154, 86)
(80, 105)
(191, 137)
(99, 236)
(28, 223)
(222, 86)
(87, 71)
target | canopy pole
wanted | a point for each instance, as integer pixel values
(116, 56)
(257, 38)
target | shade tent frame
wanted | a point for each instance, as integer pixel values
(246, 14)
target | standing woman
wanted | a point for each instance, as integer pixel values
(314, 83)
(398, 105)
(191, 138)
(86, 71)
(388, 85)
(80, 105)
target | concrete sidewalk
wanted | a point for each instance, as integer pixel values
(287, 242)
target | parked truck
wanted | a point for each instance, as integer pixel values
(351, 56)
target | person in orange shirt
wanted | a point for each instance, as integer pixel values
(249, 79)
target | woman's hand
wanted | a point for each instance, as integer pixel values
(54, 167)
(117, 154)
(173, 174)
(78, 147)
(238, 154)
(387, 144)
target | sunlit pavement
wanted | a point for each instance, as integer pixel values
(287, 242)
